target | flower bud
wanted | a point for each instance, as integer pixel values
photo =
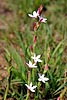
(31, 48)
(35, 39)
(58, 98)
(48, 53)
(46, 67)
(40, 9)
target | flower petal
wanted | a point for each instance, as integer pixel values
(34, 13)
(30, 15)
(38, 56)
(43, 81)
(43, 75)
(31, 84)
(32, 90)
(39, 74)
(39, 60)
(46, 79)
(34, 66)
(27, 86)
(39, 79)
(30, 63)
(34, 87)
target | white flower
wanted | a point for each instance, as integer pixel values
(36, 58)
(31, 88)
(41, 19)
(31, 65)
(42, 78)
(34, 15)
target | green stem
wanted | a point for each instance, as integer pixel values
(33, 74)
(8, 83)
(27, 95)
(29, 72)
(7, 88)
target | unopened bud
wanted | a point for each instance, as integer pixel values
(40, 9)
(48, 53)
(58, 98)
(31, 48)
(35, 39)
(46, 67)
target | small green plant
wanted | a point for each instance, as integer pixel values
(39, 73)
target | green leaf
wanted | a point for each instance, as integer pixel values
(20, 41)
(47, 87)
(56, 49)
(18, 61)
(62, 86)
(51, 79)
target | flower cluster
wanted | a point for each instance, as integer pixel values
(36, 58)
(37, 14)
(33, 65)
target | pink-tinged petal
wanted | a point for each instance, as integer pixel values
(41, 19)
(40, 8)
(38, 11)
